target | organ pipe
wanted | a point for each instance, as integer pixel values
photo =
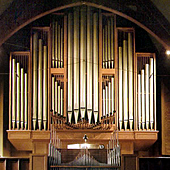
(18, 95)
(112, 95)
(62, 60)
(130, 81)
(45, 90)
(104, 102)
(109, 98)
(106, 45)
(125, 94)
(120, 89)
(40, 85)
(76, 64)
(89, 65)
(143, 97)
(95, 65)
(59, 45)
(108, 25)
(26, 99)
(22, 98)
(107, 101)
(53, 44)
(104, 48)
(82, 63)
(53, 94)
(35, 41)
(61, 103)
(70, 59)
(56, 92)
(13, 93)
(112, 43)
(151, 93)
(139, 101)
(56, 44)
(59, 99)
(147, 94)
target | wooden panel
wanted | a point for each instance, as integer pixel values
(12, 164)
(165, 106)
(129, 163)
(24, 164)
(39, 162)
(2, 164)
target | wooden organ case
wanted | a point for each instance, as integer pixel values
(81, 76)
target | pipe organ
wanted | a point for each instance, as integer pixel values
(146, 91)
(18, 90)
(84, 69)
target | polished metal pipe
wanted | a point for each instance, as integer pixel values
(105, 47)
(45, 88)
(147, 94)
(26, 100)
(151, 83)
(130, 79)
(18, 96)
(104, 102)
(62, 49)
(56, 44)
(53, 42)
(22, 98)
(34, 97)
(40, 109)
(13, 93)
(83, 62)
(95, 66)
(112, 42)
(59, 46)
(70, 62)
(108, 42)
(59, 102)
(143, 97)
(139, 101)
(112, 96)
(56, 102)
(125, 90)
(120, 89)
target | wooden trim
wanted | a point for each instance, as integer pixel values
(57, 71)
(107, 71)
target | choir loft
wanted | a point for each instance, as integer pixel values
(82, 88)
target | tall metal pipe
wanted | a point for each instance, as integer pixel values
(120, 89)
(40, 109)
(89, 64)
(151, 83)
(62, 51)
(56, 44)
(59, 102)
(76, 64)
(70, 62)
(83, 62)
(45, 89)
(130, 79)
(112, 42)
(147, 94)
(53, 44)
(13, 93)
(22, 98)
(107, 103)
(125, 91)
(112, 96)
(56, 95)
(34, 98)
(26, 100)
(108, 38)
(103, 52)
(95, 65)
(104, 102)
(109, 98)
(143, 97)
(105, 47)
(59, 46)
(53, 94)
(139, 101)
(18, 95)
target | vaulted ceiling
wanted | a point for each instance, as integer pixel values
(15, 14)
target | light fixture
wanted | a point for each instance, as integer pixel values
(167, 52)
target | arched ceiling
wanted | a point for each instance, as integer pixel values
(142, 12)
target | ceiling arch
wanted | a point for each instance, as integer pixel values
(141, 12)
